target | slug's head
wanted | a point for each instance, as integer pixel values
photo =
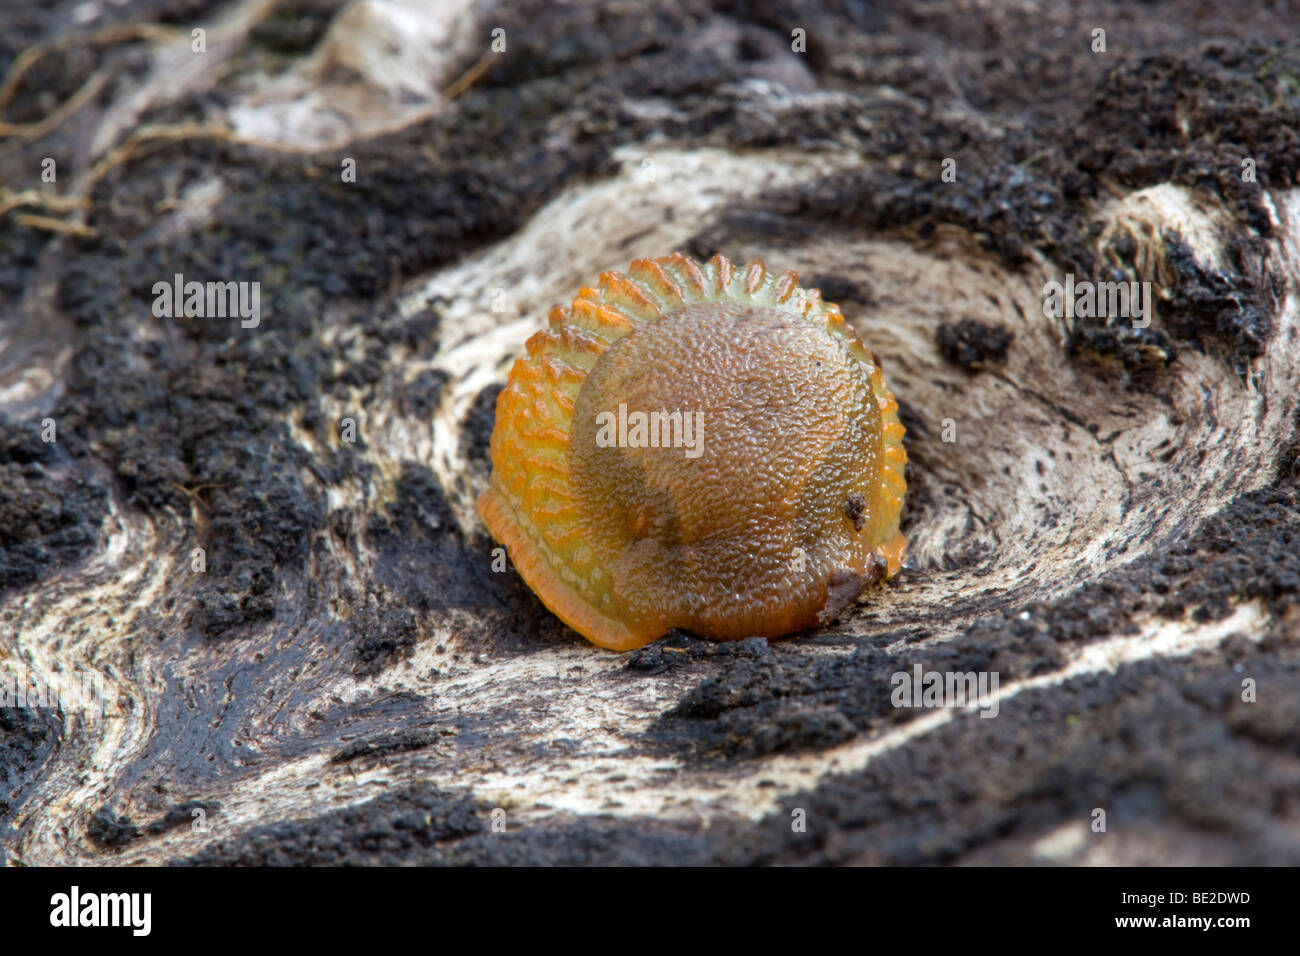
(701, 447)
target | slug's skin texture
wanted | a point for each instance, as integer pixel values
(773, 496)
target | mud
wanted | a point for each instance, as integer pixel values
(973, 345)
(49, 513)
(402, 828)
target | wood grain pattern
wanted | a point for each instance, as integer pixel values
(1105, 516)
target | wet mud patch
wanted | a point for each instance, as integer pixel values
(1235, 307)
(338, 736)
(592, 842)
(109, 831)
(424, 570)
(28, 737)
(404, 741)
(973, 344)
(680, 649)
(476, 429)
(1158, 746)
(786, 700)
(404, 827)
(50, 513)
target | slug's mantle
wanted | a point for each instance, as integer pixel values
(697, 446)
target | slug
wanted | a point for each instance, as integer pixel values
(696, 446)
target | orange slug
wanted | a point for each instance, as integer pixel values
(697, 446)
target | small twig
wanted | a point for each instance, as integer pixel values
(88, 91)
(55, 225)
(114, 34)
(469, 77)
(31, 197)
(165, 134)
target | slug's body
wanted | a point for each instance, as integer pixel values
(697, 446)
